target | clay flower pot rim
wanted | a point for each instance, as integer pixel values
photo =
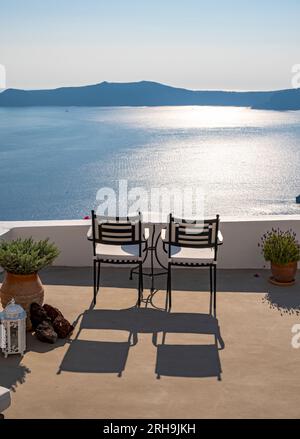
(284, 265)
(21, 275)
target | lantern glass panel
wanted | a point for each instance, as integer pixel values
(14, 342)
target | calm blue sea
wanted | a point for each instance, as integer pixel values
(53, 160)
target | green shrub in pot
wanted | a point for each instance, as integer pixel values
(282, 250)
(22, 259)
(26, 256)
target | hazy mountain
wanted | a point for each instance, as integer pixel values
(147, 93)
(282, 100)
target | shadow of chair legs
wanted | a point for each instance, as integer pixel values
(87, 356)
(186, 360)
(194, 361)
(90, 356)
(178, 360)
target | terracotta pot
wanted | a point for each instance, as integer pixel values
(284, 273)
(25, 289)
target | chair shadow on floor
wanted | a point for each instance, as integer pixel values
(89, 356)
(189, 360)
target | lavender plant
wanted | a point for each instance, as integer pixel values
(280, 247)
(26, 256)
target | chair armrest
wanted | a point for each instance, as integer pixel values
(146, 234)
(163, 234)
(90, 234)
(220, 238)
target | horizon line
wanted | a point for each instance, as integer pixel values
(150, 81)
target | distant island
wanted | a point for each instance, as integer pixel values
(147, 93)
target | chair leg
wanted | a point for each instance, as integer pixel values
(142, 279)
(215, 291)
(170, 285)
(140, 287)
(95, 280)
(211, 289)
(167, 290)
(98, 276)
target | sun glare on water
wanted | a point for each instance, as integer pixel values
(189, 117)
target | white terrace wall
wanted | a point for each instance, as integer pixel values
(240, 249)
(69, 236)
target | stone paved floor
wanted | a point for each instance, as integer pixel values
(127, 363)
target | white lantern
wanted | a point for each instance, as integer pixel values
(13, 329)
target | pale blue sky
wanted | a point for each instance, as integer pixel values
(234, 44)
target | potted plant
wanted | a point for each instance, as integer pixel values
(283, 251)
(21, 260)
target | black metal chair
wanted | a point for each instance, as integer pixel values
(193, 244)
(117, 241)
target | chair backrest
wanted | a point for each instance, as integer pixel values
(117, 231)
(197, 234)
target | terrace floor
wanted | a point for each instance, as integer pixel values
(118, 365)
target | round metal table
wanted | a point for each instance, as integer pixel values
(153, 220)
